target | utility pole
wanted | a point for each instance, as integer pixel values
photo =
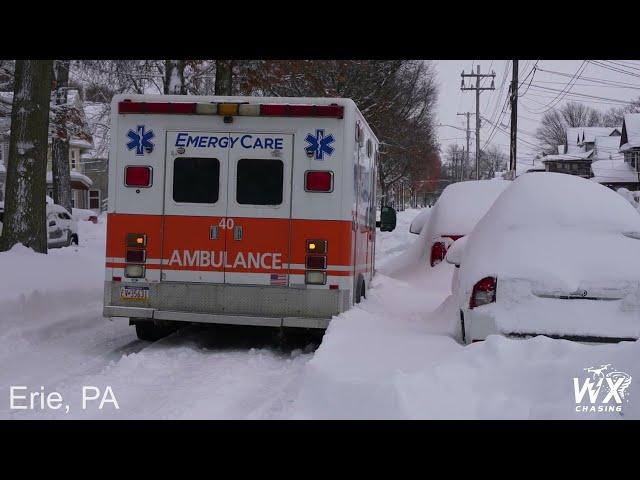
(478, 89)
(514, 120)
(466, 114)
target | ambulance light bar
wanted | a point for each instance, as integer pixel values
(232, 109)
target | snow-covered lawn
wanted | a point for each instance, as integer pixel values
(396, 355)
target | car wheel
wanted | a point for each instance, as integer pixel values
(149, 331)
(74, 239)
(360, 291)
(69, 240)
(464, 337)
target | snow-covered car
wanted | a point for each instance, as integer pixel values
(419, 221)
(84, 215)
(62, 228)
(556, 255)
(457, 211)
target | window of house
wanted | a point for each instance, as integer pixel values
(94, 199)
(259, 182)
(196, 180)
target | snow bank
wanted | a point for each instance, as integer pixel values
(37, 290)
(513, 379)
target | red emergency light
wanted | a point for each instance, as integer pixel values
(157, 107)
(137, 176)
(225, 109)
(318, 181)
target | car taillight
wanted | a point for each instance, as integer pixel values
(137, 176)
(318, 181)
(484, 292)
(438, 252)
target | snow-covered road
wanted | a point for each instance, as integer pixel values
(53, 338)
(393, 356)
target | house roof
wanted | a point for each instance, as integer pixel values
(75, 177)
(574, 137)
(589, 134)
(613, 171)
(630, 132)
(606, 148)
(568, 156)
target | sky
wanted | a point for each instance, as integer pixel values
(614, 82)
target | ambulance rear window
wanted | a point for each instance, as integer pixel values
(196, 180)
(259, 181)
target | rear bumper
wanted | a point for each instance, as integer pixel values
(230, 304)
(588, 321)
(153, 314)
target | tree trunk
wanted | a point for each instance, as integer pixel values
(224, 77)
(25, 203)
(60, 170)
(174, 77)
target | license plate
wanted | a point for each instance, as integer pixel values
(134, 293)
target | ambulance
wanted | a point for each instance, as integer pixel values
(238, 210)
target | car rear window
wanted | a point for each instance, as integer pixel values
(259, 181)
(196, 180)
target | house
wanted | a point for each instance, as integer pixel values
(576, 156)
(96, 161)
(589, 135)
(609, 167)
(78, 145)
(577, 163)
(630, 140)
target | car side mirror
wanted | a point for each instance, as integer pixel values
(387, 221)
(454, 254)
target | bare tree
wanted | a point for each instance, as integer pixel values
(615, 116)
(224, 77)
(553, 125)
(25, 205)
(60, 171)
(174, 77)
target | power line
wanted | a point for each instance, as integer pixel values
(478, 89)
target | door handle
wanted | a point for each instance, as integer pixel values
(237, 232)
(213, 232)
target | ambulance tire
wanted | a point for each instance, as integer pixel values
(360, 290)
(149, 331)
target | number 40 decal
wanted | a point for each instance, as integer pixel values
(228, 223)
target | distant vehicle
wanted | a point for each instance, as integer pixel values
(456, 212)
(556, 255)
(85, 215)
(62, 229)
(419, 221)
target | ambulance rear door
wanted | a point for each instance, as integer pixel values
(258, 213)
(195, 206)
